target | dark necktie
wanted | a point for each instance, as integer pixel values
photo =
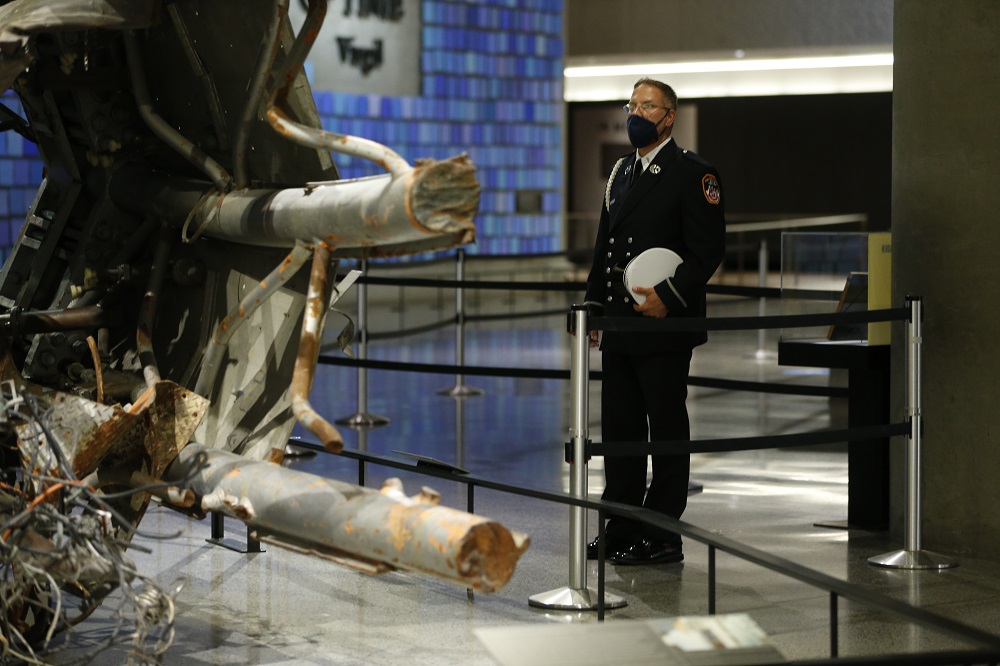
(636, 170)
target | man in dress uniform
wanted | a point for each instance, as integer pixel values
(661, 196)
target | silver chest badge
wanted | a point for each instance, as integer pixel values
(654, 169)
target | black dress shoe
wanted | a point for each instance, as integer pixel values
(644, 551)
(610, 549)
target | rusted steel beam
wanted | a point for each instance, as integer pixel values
(147, 436)
(305, 361)
(274, 281)
(366, 529)
(85, 432)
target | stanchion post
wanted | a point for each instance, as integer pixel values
(912, 556)
(361, 418)
(762, 265)
(576, 595)
(460, 390)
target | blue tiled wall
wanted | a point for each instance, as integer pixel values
(492, 87)
(20, 175)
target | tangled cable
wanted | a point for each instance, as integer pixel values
(63, 550)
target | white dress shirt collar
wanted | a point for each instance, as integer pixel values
(648, 158)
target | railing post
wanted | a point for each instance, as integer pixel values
(711, 579)
(219, 537)
(460, 390)
(361, 418)
(834, 627)
(912, 557)
(576, 595)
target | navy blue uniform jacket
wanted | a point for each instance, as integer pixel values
(677, 204)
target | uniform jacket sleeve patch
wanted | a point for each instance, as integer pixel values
(710, 186)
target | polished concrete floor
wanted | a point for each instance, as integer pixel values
(279, 607)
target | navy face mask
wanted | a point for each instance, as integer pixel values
(641, 132)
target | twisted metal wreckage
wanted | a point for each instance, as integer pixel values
(151, 306)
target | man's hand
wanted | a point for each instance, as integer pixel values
(653, 307)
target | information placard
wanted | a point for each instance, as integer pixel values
(365, 46)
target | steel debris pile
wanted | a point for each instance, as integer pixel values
(155, 326)
(63, 545)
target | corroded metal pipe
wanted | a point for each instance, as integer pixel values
(305, 361)
(354, 146)
(292, 65)
(368, 530)
(432, 207)
(147, 312)
(27, 322)
(311, 136)
(160, 127)
(274, 281)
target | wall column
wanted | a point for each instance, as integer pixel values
(946, 248)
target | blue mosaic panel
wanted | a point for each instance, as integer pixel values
(20, 175)
(491, 86)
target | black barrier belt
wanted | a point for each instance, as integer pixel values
(818, 294)
(450, 258)
(406, 265)
(474, 284)
(635, 324)
(747, 443)
(519, 257)
(504, 316)
(451, 321)
(509, 285)
(444, 369)
(416, 330)
(750, 292)
(485, 371)
(732, 290)
(773, 292)
(762, 387)
(743, 323)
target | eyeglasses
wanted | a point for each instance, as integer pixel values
(645, 107)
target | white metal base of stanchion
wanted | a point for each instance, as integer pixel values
(569, 598)
(461, 391)
(362, 420)
(912, 559)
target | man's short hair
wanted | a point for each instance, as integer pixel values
(667, 91)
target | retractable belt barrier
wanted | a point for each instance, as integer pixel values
(577, 595)
(912, 557)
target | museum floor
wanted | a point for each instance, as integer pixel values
(279, 607)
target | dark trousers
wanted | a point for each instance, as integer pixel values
(643, 398)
